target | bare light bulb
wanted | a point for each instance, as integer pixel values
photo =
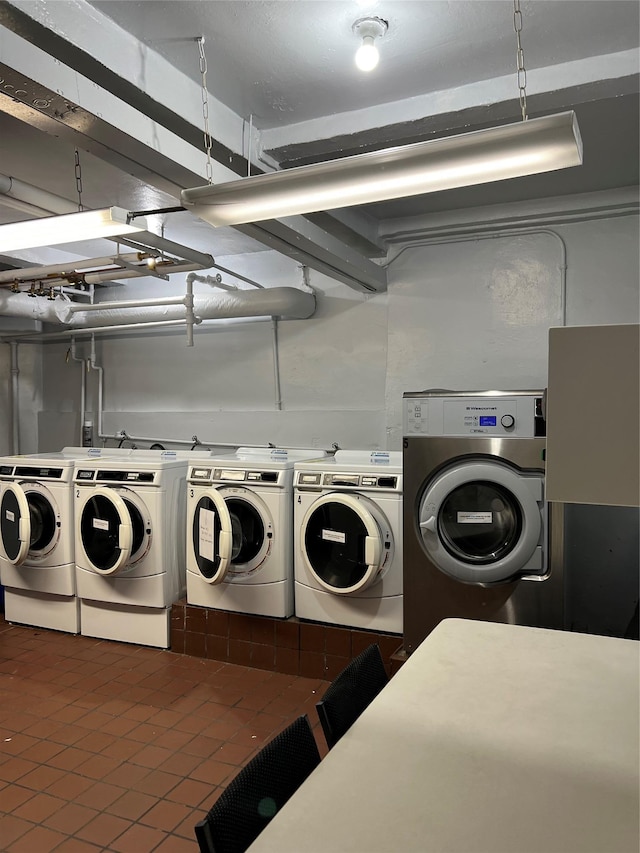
(368, 29)
(367, 55)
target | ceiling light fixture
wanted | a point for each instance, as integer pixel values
(482, 156)
(68, 228)
(530, 147)
(368, 29)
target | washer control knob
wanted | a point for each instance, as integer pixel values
(507, 421)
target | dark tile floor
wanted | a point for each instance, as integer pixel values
(108, 746)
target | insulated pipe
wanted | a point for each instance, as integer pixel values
(283, 302)
(15, 403)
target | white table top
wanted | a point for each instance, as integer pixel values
(491, 737)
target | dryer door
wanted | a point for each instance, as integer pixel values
(345, 541)
(483, 522)
(212, 536)
(106, 531)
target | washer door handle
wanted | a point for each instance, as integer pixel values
(372, 551)
(125, 537)
(225, 541)
(429, 524)
(24, 531)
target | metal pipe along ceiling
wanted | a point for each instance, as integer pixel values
(285, 302)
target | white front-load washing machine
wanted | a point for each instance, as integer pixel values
(37, 566)
(348, 540)
(130, 544)
(477, 528)
(240, 531)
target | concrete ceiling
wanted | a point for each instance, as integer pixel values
(291, 61)
(282, 83)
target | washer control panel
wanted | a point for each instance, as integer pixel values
(347, 481)
(519, 416)
(198, 474)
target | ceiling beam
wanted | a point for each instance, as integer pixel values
(132, 131)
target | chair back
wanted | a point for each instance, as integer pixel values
(259, 790)
(350, 693)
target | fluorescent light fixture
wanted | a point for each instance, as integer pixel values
(67, 228)
(482, 156)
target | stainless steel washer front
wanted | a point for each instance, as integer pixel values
(480, 542)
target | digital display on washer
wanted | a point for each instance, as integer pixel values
(487, 420)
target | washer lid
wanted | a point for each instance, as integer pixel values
(105, 530)
(212, 536)
(345, 542)
(482, 522)
(15, 523)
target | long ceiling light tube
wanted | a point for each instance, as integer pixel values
(530, 147)
(67, 228)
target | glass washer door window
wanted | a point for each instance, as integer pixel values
(483, 522)
(343, 543)
(480, 522)
(106, 530)
(232, 534)
(28, 521)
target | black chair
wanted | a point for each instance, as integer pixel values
(259, 790)
(350, 693)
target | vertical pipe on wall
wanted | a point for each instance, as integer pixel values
(190, 316)
(563, 272)
(99, 370)
(15, 402)
(276, 364)
(83, 387)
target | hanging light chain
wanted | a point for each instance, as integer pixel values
(78, 168)
(522, 71)
(205, 108)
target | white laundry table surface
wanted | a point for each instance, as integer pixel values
(495, 738)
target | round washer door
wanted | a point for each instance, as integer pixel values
(252, 531)
(482, 522)
(212, 536)
(105, 530)
(345, 542)
(44, 519)
(15, 523)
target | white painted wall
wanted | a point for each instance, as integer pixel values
(332, 371)
(474, 314)
(29, 388)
